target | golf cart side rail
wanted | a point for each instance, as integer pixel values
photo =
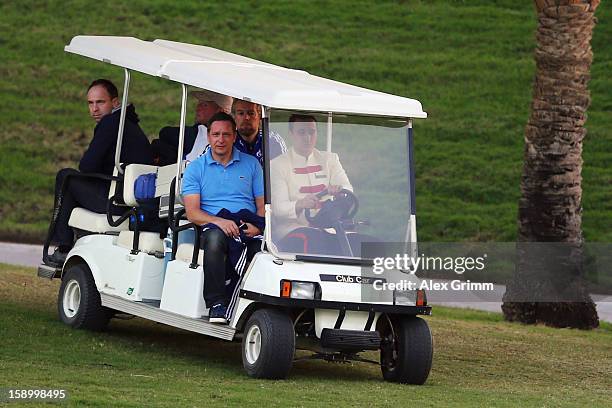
(175, 227)
(327, 304)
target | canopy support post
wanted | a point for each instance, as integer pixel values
(410, 239)
(329, 131)
(124, 102)
(181, 141)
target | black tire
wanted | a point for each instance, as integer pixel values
(277, 344)
(85, 310)
(406, 351)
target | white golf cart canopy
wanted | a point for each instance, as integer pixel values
(241, 77)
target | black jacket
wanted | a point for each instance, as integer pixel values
(100, 155)
(170, 135)
(165, 149)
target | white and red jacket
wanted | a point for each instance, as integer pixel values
(293, 177)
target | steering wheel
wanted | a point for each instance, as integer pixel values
(343, 205)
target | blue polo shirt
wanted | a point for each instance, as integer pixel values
(233, 186)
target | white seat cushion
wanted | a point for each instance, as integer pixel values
(185, 252)
(148, 242)
(132, 172)
(90, 221)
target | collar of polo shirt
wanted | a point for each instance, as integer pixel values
(211, 160)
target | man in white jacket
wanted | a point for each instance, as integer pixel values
(296, 178)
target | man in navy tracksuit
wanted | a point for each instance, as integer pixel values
(223, 181)
(92, 193)
(250, 133)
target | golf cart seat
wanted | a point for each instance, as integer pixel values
(86, 220)
(90, 221)
(184, 253)
(149, 242)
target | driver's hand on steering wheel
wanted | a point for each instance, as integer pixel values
(310, 201)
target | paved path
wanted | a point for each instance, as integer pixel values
(492, 301)
(31, 255)
(20, 254)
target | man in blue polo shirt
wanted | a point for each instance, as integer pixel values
(223, 178)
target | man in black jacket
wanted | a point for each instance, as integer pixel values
(92, 193)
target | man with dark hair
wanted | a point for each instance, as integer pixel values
(92, 193)
(166, 147)
(223, 191)
(250, 134)
(111, 89)
(297, 178)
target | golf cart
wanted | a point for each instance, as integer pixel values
(326, 302)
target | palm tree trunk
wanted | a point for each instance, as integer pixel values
(550, 208)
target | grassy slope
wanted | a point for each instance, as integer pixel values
(479, 360)
(470, 63)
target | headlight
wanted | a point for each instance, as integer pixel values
(300, 290)
(410, 297)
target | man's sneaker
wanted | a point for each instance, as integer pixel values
(58, 257)
(216, 313)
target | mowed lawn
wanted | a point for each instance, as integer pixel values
(479, 360)
(469, 63)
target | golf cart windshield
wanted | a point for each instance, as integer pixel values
(344, 181)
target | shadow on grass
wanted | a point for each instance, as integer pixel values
(195, 347)
(29, 314)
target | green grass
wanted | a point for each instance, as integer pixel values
(479, 360)
(469, 63)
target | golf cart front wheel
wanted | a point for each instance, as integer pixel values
(406, 351)
(268, 344)
(78, 302)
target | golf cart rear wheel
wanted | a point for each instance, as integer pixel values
(78, 302)
(406, 351)
(268, 344)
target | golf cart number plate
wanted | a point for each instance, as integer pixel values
(362, 280)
